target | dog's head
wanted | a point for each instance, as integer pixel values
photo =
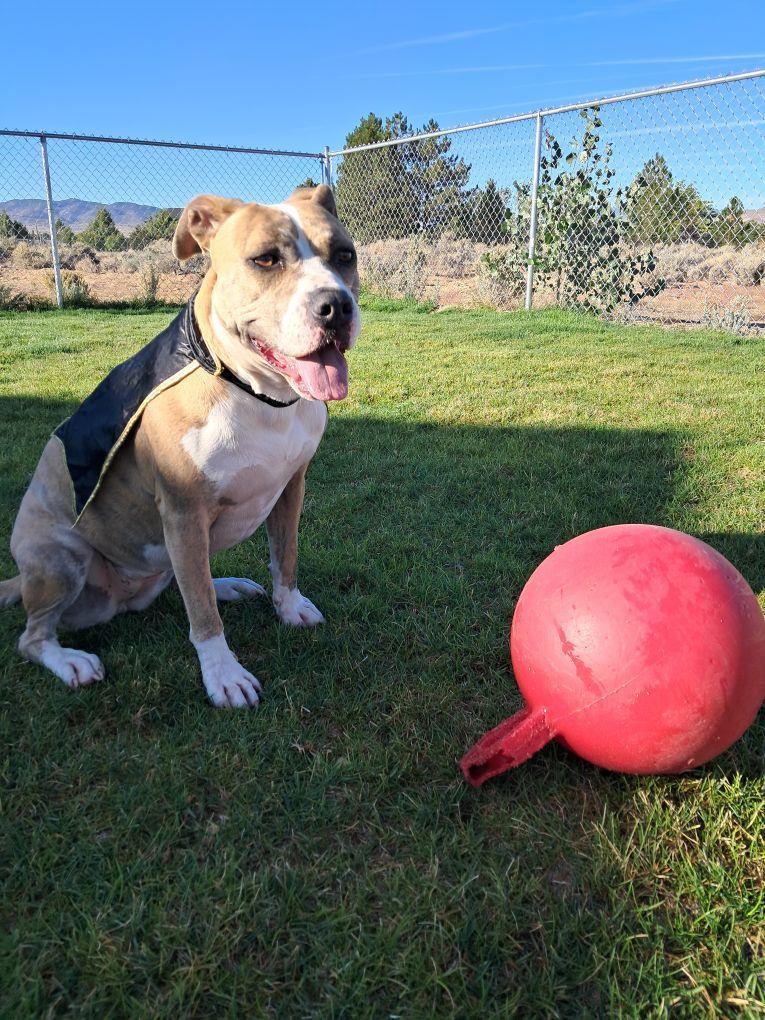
(284, 283)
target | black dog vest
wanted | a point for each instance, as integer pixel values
(94, 433)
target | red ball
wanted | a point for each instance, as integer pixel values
(639, 648)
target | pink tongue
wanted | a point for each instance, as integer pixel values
(325, 373)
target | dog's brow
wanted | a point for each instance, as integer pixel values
(304, 247)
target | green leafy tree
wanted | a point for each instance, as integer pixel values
(102, 233)
(581, 250)
(729, 227)
(161, 226)
(399, 190)
(309, 182)
(484, 216)
(64, 234)
(660, 209)
(12, 228)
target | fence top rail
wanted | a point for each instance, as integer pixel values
(158, 144)
(660, 90)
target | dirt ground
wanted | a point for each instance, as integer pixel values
(725, 296)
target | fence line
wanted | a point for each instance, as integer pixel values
(659, 90)
(602, 205)
(644, 206)
(157, 143)
(239, 184)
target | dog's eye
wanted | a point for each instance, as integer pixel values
(267, 260)
(345, 255)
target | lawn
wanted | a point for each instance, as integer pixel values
(322, 857)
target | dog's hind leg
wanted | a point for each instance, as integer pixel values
(53, 577)
(53, 561)
(10, 592)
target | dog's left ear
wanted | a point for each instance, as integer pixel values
(199, 223)
(322, 195)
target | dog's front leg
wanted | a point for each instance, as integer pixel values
(187, 538)
(282, 527)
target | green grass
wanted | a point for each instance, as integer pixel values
(322, 857)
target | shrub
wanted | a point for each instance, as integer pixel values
(80, 257)
(32, 256)
(735, 317)
(160, 226)
(12, 228)
(501, 278)
(395, 268)
(15, 301)
(453, 257)
(147, 294)
(75, 290)
(102, 233)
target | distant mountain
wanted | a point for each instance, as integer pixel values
(76, 213)
(754, 215)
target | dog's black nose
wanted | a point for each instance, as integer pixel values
(332, 308)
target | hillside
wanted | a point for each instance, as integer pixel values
(76, 213)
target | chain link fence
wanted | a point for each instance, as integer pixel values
(89, 220)
(640, 208)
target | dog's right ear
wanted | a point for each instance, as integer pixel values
(199, 223)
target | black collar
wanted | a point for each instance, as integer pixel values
(201, 353)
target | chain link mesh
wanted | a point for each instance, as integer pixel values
(649, 210)
(115, 208)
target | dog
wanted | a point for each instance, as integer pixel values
(188, 447)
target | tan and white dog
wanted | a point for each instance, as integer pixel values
(211, 455)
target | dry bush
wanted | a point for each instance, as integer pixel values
(7, 245)
(147, 294)
(74, 288)
(694, 263)
(734, 317)
(395, 268)
(79, 257)
(196, 266)
(32, 256)
(501, 275)
(454, 257)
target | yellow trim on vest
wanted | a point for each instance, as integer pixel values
(171, 381)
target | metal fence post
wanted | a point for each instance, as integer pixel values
(51, 222)
(326, 167)
(533, 216)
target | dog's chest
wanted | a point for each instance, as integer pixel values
(249, 451)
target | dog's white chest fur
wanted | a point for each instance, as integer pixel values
(249, 451)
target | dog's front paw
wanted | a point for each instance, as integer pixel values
(295, 609)
(231, 589)
(75, 668)
(227, 682)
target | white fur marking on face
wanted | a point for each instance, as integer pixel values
(315, 275)
(227, 682)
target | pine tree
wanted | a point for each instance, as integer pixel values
(102, 233)
(64, 234)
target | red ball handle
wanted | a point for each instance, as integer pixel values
(511, 743)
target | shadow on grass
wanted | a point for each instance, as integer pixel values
(416, 541)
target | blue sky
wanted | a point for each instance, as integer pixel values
(300, 75)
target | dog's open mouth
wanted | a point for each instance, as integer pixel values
(321, 375)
